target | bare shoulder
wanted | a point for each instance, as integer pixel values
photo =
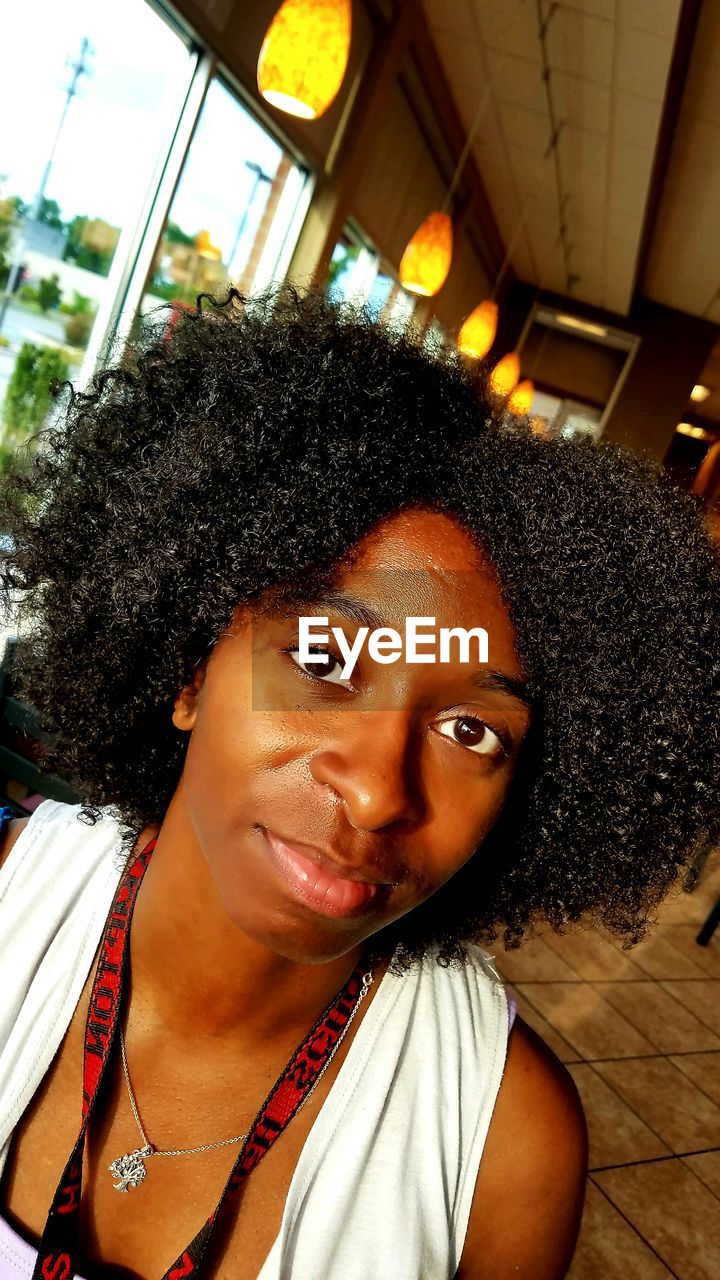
(530, 1189)
(12, 830)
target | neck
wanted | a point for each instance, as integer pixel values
(194, 973)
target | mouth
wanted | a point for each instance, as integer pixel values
(320, 882)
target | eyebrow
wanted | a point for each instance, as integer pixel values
(498, 682)
(347, 606)
(488, 680)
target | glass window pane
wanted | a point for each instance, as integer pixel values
(357, 273)
(231, 206)
(86, 122)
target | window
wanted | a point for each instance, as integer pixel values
(578, 367)
(358, 273)
(95, 108)
(234, 209)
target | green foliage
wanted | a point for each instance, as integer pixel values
(175, 235)
(93, 260)
(80, 254)
(174, 292)
(49, 214)
(5, 236)
(28, 396)
(19, 207)
(48, 292)
(78, 328)
(27, 293)
(80, 305)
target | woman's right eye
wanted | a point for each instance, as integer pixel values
(325, 666)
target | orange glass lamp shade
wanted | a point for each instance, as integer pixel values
(426, 261)
(478, 332)
(522, 397)
(205, 247)
(304, 56)
(503, 378)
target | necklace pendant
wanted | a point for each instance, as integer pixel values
(130, 1169)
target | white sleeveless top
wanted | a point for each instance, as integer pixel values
(385, 1180)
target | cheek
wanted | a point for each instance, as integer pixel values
(237, 755)
(462, 818)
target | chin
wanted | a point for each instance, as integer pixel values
(295, 933)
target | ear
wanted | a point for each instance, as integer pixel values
(185, 707)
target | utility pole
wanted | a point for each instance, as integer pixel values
(78, 68)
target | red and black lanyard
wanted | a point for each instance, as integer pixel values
(58, 1247)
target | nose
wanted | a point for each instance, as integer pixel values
(372, 765)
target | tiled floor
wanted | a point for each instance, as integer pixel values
(640, 1032)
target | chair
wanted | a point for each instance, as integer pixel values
(709, 926)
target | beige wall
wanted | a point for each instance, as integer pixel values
(583, 370)
(399, 184)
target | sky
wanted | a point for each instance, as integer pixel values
(121, 119)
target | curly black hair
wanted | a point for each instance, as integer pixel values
(248, 445)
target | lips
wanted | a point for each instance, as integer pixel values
(323, 884)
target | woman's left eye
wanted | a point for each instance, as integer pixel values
(324, 665)
(475, 734)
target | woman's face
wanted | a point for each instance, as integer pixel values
(328, 808)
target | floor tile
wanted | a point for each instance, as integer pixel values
(617, 1134)
(593, 957)
(588, 1023)
(609, 1249)
(682, 937)
(534, 961)
(668, 1101)
(667, 1025)
(565, 1052)
(703, 1069)
(658, 957)
(707, 1167)
(691, 907)
(702, 998)
(673, 1211)
(683, 908)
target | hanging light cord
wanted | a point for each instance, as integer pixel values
(510, 250)
(484, 104)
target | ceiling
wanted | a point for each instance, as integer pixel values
(570, 104)
(683, 268)
(609, 62)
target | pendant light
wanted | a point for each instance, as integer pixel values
(304, 56)
(504, 376)
(522, 397)
(426, 261)
(478, 331)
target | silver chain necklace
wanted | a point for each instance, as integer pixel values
(130, 1169)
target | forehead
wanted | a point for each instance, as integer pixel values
(426, 564)
(426, 540)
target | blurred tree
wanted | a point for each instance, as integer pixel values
(81, 254)
(81, 305)
(29, 396)
(49, 214)
(175, 235)
(48, 292)
(78, 328)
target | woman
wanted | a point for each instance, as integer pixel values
(269, 845)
